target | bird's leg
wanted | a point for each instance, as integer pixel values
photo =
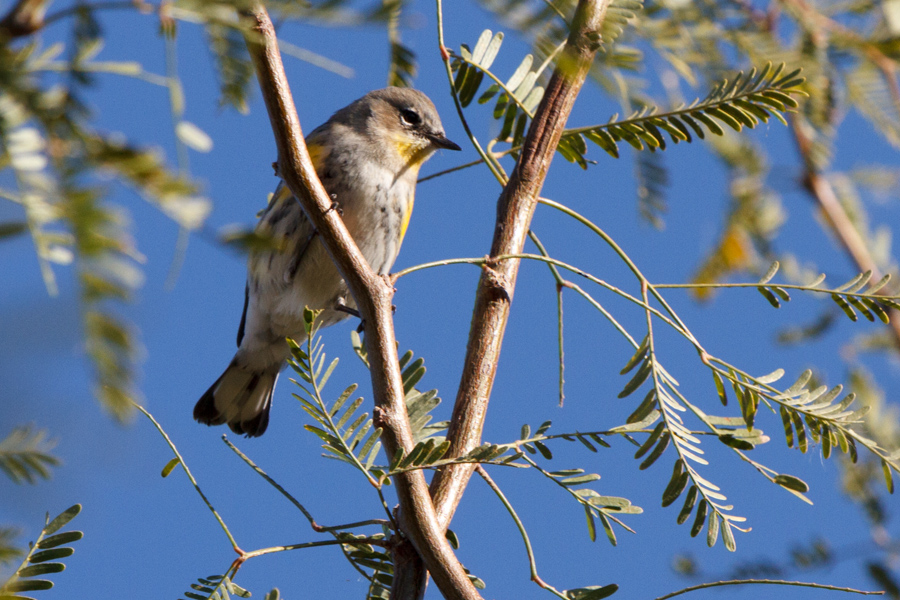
(341, 307)
(335, 205)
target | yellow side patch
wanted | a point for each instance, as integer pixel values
(406, 215)
(316, 154)
(281, 194)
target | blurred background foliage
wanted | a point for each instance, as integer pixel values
(59, 168)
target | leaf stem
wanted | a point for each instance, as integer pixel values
(628, 262)
(474, 163)
(560, 285)
(190, 476)
(272, 482)
(491, 163)
(768, 582)
(499, 83)
(532, 564)
(355, 542)
(787, 286)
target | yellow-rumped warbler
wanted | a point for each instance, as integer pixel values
(368, 156)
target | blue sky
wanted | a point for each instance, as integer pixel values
(149, 537)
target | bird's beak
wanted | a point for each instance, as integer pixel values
(440, 141)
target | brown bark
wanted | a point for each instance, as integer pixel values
(373, 298)
(515, 209)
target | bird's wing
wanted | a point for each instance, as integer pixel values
(277, 215)
(240, 335)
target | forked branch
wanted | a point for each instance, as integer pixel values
(373, 297)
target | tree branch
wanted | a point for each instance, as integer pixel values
(373, 295)
(846, 232)
(515, 209)
(24, 18)
(816, 183)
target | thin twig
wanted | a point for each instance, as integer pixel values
(176, 112)
(474, 163)
(485, 262)
(629, 263)
(560, 286)
(532, 564)
(356, 542)
(491, 163)
(820, 586)
(272, 482)
(295, 502)
(190, 476)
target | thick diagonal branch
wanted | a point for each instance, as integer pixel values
(373, 297)
(515, 210)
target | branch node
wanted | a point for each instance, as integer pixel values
(495, 283)
(595, 40)
(379, 417)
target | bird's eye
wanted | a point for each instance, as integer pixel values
(410, 117)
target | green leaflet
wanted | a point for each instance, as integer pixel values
(47, 548)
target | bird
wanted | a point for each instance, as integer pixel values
(368, 156)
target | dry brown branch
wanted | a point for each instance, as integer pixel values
(821, 25)
(816, 183)
(846, 232)
(24, 18)
(373, 295)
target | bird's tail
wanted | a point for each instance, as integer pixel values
(241, 397)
